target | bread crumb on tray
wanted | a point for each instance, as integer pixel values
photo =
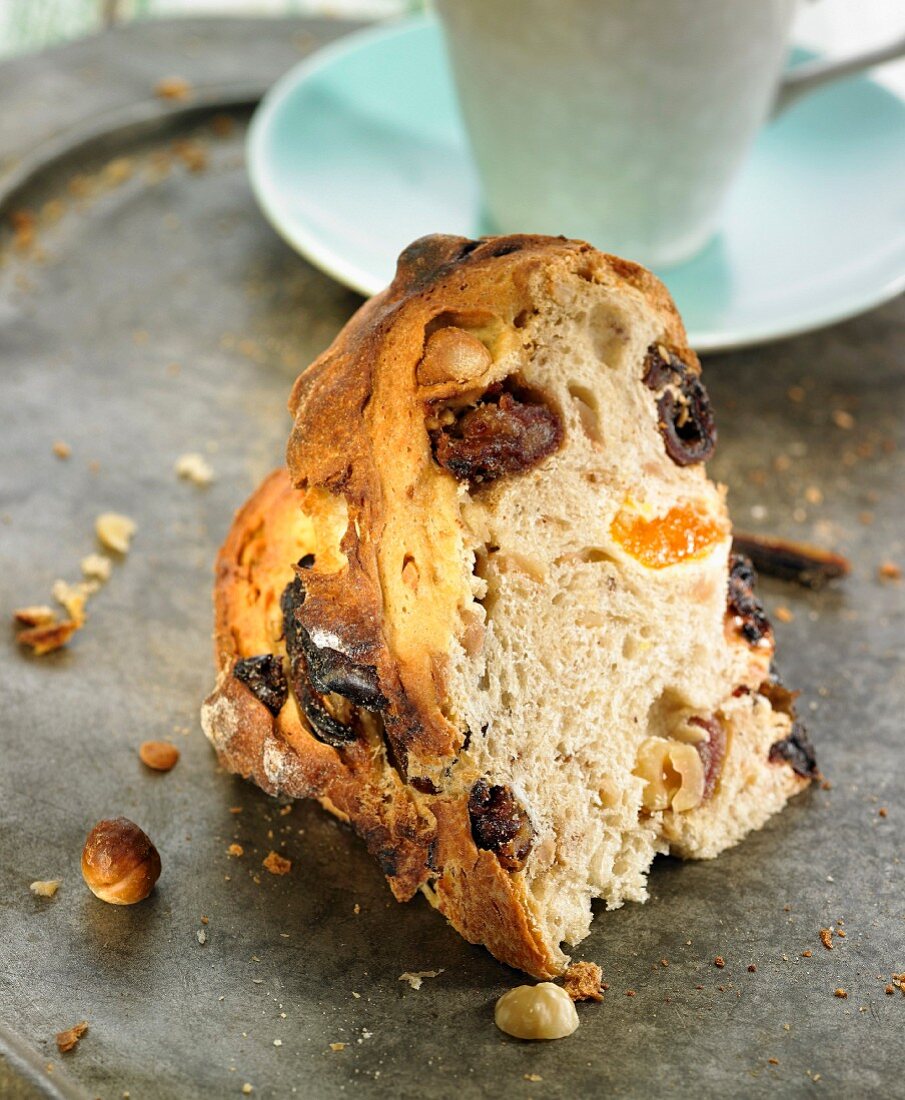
(582, 981)
(277, 864)
(67, 1040)
(415, 977)
(45, 888)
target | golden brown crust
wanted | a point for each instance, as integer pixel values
(385, 585)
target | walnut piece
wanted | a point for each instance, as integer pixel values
(543, 1011)
(674, 774)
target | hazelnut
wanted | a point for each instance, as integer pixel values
(159, 755)
(674, 774)
(453, 355)
(543, 1011)
(119, 863)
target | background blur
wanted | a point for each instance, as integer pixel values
(834, 26)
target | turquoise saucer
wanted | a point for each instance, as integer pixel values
(360, 149)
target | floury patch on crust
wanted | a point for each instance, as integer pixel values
(489, 616)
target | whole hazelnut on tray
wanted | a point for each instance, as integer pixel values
(543, 1011)
(119, 862)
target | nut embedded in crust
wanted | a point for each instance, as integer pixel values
(159, 755)
(120, 864)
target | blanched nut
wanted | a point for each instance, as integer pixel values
(543, 1011)
(453, 355)
(119, 863)
(674, 774)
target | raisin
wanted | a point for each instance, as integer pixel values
(508, 431)
(500, 824)
(684, 416)
(747, 611)
(265, 679)
(797, 751)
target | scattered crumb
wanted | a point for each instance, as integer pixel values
(840, 932)
(47, 638)
(337, 1046)
(61, 449)
(36, 615)
(783, 613)
(68, 1039)
(882, 812)
(205, 920)
(95, 567)
(889, 571)
(826, 785)
(277, 864)
(826, 938)
(73, 597)
(278, 1042)
(796, 394)
(415, 977)
(192, 154)
(813, 495)
(45, 888)
(752, 969)
(356, 909)
(24, 225)
(285, 810)
(533, 1077)
(173, 87)
(630, 993)
(115, 531)
(161, 756)
(807, 954)
(223, 125)
(840, 993)
(843, 419)
(235, 850)
(889, 990)
(195, 468)
(201, 936)
(773, 1061)
(719, 962)
(664, 962)
(582, 981)
(247, 1088)
(235, 809)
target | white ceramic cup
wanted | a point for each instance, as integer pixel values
(619, 121)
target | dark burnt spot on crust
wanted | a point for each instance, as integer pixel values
(508, 430)
(797, 751)
(746, 610)
(684, 416)
(265, 679)
(712, 751)
(499, 824)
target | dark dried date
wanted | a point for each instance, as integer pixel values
(324, 726)
(500, 824)
(265, 679)
(797, 751)
(684, 416)
(747, 611)
(792, 561)
(712, 752)
(781, 699)
(507, 432)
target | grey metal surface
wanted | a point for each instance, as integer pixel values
(156, 318)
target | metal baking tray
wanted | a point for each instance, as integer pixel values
(155, 313)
